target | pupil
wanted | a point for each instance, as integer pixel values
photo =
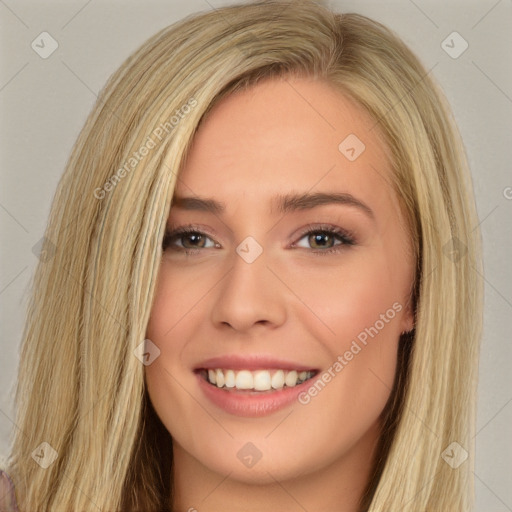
(194, 239)
(321, 239)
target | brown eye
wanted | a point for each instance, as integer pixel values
(187, 240)
(320, 240)
(325, 239)
(195, 240)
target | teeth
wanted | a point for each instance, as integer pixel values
(262, 381)
(278, 379)
(259, 380)
(244, 379)
(291, 379)
(229, 379)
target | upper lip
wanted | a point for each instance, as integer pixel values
(251, 362)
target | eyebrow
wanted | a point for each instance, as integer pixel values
(285, 203)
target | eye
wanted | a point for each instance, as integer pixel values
(325, 239)
(322, 239)
(187, 239)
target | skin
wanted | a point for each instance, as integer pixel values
(293, 302)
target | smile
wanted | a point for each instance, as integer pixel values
(258, 380)
(252, 385)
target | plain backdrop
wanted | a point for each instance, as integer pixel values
(45, 101)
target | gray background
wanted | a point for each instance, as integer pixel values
(44, 103)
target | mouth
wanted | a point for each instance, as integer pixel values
(252, 386)
(259, 381)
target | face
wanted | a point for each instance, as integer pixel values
(278, 311)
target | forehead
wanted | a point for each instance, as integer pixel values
(285, 135)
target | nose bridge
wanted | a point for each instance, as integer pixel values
(250, 293)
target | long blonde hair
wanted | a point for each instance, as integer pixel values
(80, 387)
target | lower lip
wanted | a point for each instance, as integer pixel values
(251, 404)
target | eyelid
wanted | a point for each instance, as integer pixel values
(174, 230)
(348, 235)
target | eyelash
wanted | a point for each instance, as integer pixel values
(345, 237)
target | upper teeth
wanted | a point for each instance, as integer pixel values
(259, 380)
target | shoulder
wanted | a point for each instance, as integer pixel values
(7, 496)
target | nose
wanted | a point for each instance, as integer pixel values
(250, 295)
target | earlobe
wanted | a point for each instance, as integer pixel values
(408, 326)
(408, 320)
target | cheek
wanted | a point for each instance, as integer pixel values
(169, 387)
(354, 295)
(357, 382)
(363, 303)
(175, 298)
(164, 323)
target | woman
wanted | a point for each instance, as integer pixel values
(260, 285)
